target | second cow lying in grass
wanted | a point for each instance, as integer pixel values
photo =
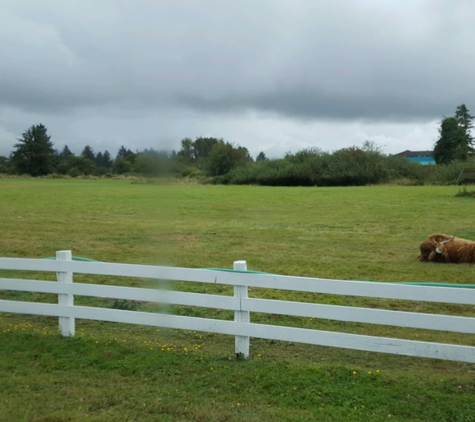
(443, 248)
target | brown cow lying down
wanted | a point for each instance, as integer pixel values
(442, 248)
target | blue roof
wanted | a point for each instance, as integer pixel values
(422, 160)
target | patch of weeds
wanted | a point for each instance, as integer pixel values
(465, 192)
(124, 305)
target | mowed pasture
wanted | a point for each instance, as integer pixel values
(118, 372)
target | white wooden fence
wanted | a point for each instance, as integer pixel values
(242, 305)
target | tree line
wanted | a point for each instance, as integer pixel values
(35, 155)
(224, 162)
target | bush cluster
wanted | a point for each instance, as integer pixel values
(312, 167)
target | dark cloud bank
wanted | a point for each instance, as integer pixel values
(375, 61)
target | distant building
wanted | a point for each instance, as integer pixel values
(421, 157)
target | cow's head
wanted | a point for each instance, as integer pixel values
(440, 246)
(433, 249)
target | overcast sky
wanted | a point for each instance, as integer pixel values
(270, 75)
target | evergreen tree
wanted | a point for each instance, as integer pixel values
(261, 156)
(88, 153)
(464, 120)
(65, 153)
(99, 159)
(34, 154)
(124, 152)
(103, 159)
(106, 159)
(3, 164)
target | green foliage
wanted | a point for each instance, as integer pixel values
(465, 192)
(214, 156)
(216, 161)
(4, 164)
(202, 148)
(446, 174)
(122, 165)
(124, 152)
(352, 166)
(34, 153)
(187, 150)
(65, 153)
(195, 153)
(224, 157)
(76, 166)
(147, 164)
(261, 156)
(455, 139)
(452, 144)
(88, 153)
(124, 305)
(152, 163)
(464, 119)
(105, 161)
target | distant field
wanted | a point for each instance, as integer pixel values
(367, 233)
(359, 233)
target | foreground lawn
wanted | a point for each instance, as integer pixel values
(115, 372)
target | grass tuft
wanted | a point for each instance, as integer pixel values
(464, 192)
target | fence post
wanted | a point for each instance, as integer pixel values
(241, 342)
(66, 324)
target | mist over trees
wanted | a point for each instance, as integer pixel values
(34, 155)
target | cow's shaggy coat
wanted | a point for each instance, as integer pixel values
(448, 249)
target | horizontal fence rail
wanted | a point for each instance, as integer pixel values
(242, 305)
(269, 281)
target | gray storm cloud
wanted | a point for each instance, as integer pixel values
(338, 59)
(376, 61)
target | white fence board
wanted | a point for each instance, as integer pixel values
(365, 343)
(128, 293)
(364, 315)
(271, 332)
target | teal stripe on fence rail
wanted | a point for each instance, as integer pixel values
(411, 283)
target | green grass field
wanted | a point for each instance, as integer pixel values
(118, 372)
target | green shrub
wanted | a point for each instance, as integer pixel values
(447, 174)
(312, 167)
